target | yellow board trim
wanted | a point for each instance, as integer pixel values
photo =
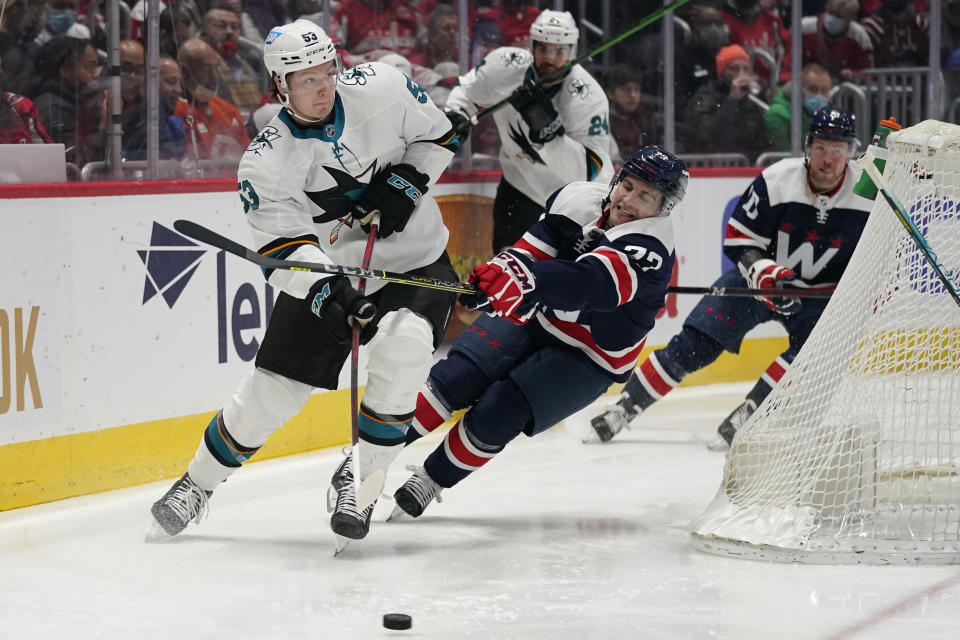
(78, 464)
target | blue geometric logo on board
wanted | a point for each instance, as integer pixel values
(171, 261)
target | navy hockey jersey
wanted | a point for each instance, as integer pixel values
(813, 234)
(599, 290)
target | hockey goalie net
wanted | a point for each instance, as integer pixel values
(855, 456)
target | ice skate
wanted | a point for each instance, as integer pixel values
(728, 428)
(347, 521)
(185, 501)
(415, 494)
(613, 420)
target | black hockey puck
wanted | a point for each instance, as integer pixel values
(397, 621)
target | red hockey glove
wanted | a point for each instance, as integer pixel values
(505, 280)
(764, 273)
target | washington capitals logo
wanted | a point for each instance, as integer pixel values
(264, 140)
(170, 261)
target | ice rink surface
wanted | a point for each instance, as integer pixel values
(553, 540)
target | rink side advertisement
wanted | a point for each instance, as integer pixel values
(119, 337)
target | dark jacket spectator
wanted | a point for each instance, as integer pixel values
(900, 36)
(835, 41)
(70, 102)
(696, 60)
(632, 123)
(721, 117)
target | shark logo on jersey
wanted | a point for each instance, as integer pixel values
(513, 59)
(579, 89)
(358, 75)
(337, 201)
(264, 140)
(526, 149)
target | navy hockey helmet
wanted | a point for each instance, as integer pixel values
(829, 123)
(661, 170)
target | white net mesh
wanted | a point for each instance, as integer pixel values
(855, 456)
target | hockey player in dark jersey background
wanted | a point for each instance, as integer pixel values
(551, 135)
(572, 302)
(796, 225)
(345, 144)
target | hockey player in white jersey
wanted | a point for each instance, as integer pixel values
(550, 136)
(346, 144)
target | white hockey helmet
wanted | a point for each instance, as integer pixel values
(555, 27)
(295, 46)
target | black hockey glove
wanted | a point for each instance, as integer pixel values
(337, 305)
(763, 273)
(459, 121)
(538, 112)
(393, 191)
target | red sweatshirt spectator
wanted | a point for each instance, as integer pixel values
(835, 41)
(366, 25)
(19, 121)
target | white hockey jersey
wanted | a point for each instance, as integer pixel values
(539, 170)
(298, 184)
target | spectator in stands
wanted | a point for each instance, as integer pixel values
(138, 14)
(214, 126)
(752, 26)
(171, 82)
(61, 20)
(20, 23)
(134, 121)
(248, 29)
(835, 41)
(174, 30)
(240, 82)
(721, 117)
(70, 102)
(632, 124)
(816, 86)
(514, 18)
(364, 26)
(485, 38)
(19, 120)
(950, 29)
(266, 14)
(442, 34)
(695, 62)
(899, 35)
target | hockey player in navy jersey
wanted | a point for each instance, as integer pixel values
(346, 144)
(572, 302)
(796, 225)
(549, 136)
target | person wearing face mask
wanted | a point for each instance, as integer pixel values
(899, 35)
(696, 60)
(214, 126)
(835, 41)
(239, 81)
(816, 86)
(61, 20)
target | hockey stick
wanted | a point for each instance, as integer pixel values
(367, 491)
(559, 72)
(866, 161)
(206, 236)
(202, 234)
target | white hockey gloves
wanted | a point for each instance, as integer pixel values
(764, 273)
(393, 191)
(337, 305)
